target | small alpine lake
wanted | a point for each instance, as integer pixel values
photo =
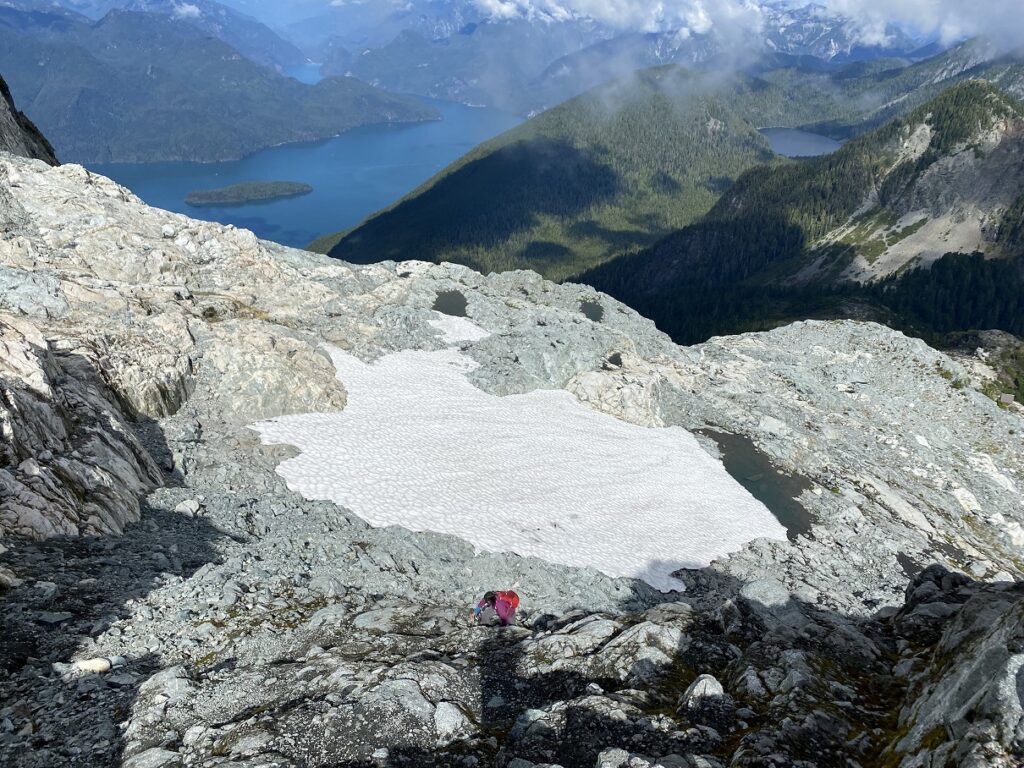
(352, 175)
(792, 142)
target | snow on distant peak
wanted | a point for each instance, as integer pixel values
(691, 16)
(187, 11)
(538, 474)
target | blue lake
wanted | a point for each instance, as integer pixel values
(792, 142)
(308, 73)
(352, 175)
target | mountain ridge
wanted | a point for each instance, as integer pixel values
(140, 87)
(244, 33)
(663, 144)
(944, 179)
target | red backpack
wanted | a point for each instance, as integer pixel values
(509, 597)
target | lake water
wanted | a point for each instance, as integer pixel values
(352, 175)
(792, 142)
(754, 470)
(308, 73)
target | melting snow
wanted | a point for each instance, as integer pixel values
(539, 474)
(455, 329)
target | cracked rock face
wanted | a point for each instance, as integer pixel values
(18, 135)
(234, 623)
(71, 463)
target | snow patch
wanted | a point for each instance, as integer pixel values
(538, 474)
(455, 329)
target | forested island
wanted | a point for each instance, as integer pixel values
(247, 192)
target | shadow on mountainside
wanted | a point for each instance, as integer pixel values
(485, 202)
(75, 589)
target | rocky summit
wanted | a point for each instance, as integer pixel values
(167, 600)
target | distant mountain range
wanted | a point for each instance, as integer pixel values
(528, 61)
(245, 34)
(138, 87)
(241, 31)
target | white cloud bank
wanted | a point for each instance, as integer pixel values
(187, 11)
(540, 474)
(950, 20)
(1002, 21)
(693, 16)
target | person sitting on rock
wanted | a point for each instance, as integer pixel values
(497, 608)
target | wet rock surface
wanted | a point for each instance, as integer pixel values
(233, 623)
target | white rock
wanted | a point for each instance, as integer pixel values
(704, 687)
(189, 508)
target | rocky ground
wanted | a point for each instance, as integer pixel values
(167, 601)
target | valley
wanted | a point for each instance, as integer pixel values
(352, 175)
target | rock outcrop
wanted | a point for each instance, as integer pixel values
(235, 623)
(18, 134)
(71, 464)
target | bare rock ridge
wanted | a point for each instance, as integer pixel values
(18, 134)
(167, 600)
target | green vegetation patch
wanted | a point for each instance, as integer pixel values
(875, 232)
(247, 192)
(1011, 229)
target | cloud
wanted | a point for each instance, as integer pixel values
(1002, 21)
(686, 16)
(949, 20)
(187, 11)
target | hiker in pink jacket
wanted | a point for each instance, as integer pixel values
(497, 607)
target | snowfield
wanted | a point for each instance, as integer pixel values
(539, 474)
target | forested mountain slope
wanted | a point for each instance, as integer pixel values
(137, 87)
(885, 89)
(949, 178)
(605, 173)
